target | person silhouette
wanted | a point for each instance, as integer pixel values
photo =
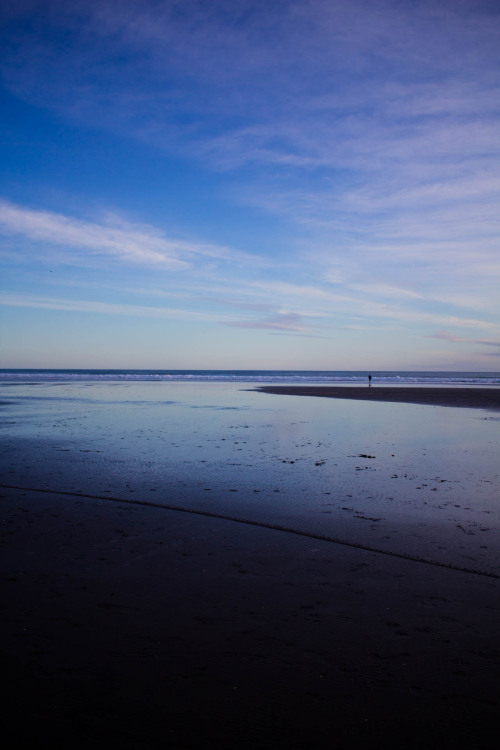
(369, 381)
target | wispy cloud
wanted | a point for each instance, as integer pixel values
(279, 322)
(11, 299)
(387, 291)
(114, 237)
(447, 336)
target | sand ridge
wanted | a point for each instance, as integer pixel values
(471, 398)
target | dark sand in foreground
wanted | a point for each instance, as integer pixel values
(134, 627)
(471, 398)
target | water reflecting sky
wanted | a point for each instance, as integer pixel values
(417, 479)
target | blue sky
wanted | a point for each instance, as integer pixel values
(303, 184)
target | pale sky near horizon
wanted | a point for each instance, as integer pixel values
(308, 184)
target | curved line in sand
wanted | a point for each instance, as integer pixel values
(263, 525)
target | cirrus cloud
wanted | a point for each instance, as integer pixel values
(114, 237)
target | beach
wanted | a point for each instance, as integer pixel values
(185, 567)
(147, 628)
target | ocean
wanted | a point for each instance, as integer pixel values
(337, 377)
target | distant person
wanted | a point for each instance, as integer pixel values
(369, 381)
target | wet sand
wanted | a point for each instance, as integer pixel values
(470, 398)
(138, 627)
